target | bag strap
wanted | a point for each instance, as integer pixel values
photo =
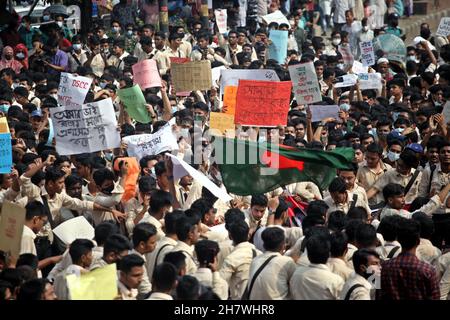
(354, 199)
(76, 59)
(411, 181)
(48, 212)
(157, 255)
(432, 167)
(350, 291)
(392, 252)
(257, 274)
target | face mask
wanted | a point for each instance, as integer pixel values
(59, 23)
(336, 41)
(8, 57)
(20, 55)
(46, 18)
(105, 51)
(340, 66)
(108, 156)
(184, 132)
(174, 109)
(199, 118)
(437, 104)
(15, 85)
(115, 29)
(411, 58)
(77, 46)
(130, 33)
(152, 172)
(4, 107)
(395, 115)
(54, 96)
(102, 85)
(345, 107)
(108, 190)
(392, 156)
(365, 28)
(399, 130)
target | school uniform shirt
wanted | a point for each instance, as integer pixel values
(118, 61)
(213, 280)
(291, 234)
(273, 281)
(188, 251)
(364, 292)
(236, 267)
(159, 296)
(315, 282)
(151, 219)
(109, 201)
(27, 244)
(132, 207)
(333, 206)
(351, 249)
(388, 247)
(442, 263)
(367, 177)
(429, 208)
(425, 182)
(145, 286)
(252, 222)
(100, 263)
(226, 247)
(427, 252)
(306, 189)
(125, 293)
(439, 180)
(392, 176)
(339, 267)
(182, 196)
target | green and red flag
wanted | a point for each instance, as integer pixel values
(249, 168)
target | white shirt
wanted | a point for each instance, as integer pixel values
(27, 244)
(159, 296)
(359, 293)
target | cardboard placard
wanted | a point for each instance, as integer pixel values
(192, 76)
(221, 121)
(12, 221)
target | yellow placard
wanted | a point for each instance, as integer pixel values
(4, 128)
(100, 284)
(221, 121)
(229, 99)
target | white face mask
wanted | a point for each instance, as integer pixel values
(392, 156)
(340, 66)
(336, 41)
(20, 55)
(55, 96)
(77, 46)
(59, 23)
(184, 132)
(399, 130)
(365, 28)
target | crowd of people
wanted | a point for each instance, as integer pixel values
(380, 231)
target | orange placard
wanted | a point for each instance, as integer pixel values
(262, 103)
(131, 178)
(229, 99)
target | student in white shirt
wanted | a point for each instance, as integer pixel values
(164, 281)
(130, 276)
(188, 235)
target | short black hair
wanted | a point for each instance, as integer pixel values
(392, 190)
(102, 175)
(318, 249)
(426, 224)
(357, 213)
(129, 262)
(53, 174)
(338, 244)
(259, 200)
(365, 236)
(142, 232)
(159, 199)
(164, 277)
(183, 226)
(177, 259)
(361, 257)
(337, 185)
(34, 209)
(337, 221)
(32, 290)
(116, 243)
(170, 220)
(188, 288)
(232, 215)
(206, 250)
(80, 247)
(104, 230)
(238, 231)
(388, 227)
(273, 238)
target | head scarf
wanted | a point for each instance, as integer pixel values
(22, 48)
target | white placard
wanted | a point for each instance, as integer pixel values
(369, 81)
(231, 77)
(88, 128)
(277, 17)
(215, 72)
(305, 82)
(181, 169)
(76, 228)
(444, 27)
(349, 80)
(367, 53)
(358, 68)
(141, 145)
(73, 89)
(321, 112)
(221, 20)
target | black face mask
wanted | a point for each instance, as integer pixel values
(108, 190)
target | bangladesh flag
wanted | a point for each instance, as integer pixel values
(249, 168)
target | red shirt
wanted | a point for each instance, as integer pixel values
(408, 278)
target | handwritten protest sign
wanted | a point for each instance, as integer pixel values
(277, 17)
(5, 153)
(134, 102)
(231, 77)
(262, 103)
(181, 169)
(4, 128)
(358, 68)
(93, 127)
(278, 47)
(72, 229)
(73, 89)
(321, 112)
(369, 81)
(367, 53)
(306, 85)
(99, 284)
(146, 74)
(347, 55)
(192, 76)
(348, 81)
(229, 99)
(221, 19)
(11, 228)
(221, 121)
(444, 27)
(141, 145)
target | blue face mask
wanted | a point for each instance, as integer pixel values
(102, 85)
(345, 107)
(4, 107)
(174, 109)
(46, 18)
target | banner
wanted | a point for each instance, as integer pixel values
(99, 284)
(370, 81)
(73, 89)
(221, 121)
(141, 145)
(367, 53)
(229, 99)
(221, 20)
(444, 27)
(319, 113)
(192, 76)
(11, 227)
(6, 162)
(146, 74)
(306, 85)
(134, 101)
(278, 47)
(262, 103)
(73, 229)
(231, 77)
(91, 128)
